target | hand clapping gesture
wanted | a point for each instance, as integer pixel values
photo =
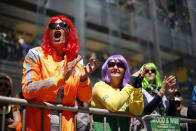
(88, 69)
(70, 66)
(169, 85)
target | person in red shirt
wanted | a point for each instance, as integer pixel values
(55, 73)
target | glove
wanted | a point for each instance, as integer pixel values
(136, 81)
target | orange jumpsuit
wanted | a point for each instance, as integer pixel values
(41, 79)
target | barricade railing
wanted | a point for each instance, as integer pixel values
(24, 103)
(42, 106)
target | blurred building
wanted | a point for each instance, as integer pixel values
(159, 31)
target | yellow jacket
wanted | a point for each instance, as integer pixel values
(128, 99)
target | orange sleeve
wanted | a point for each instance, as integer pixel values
(32, 84)
(85, 90)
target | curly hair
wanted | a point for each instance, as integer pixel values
(105, 75)
(157, 81)
(73, 42)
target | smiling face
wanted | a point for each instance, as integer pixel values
(58, 33)
(116, 70)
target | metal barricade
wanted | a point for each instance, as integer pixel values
(91, 111)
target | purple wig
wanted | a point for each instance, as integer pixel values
(105, 76)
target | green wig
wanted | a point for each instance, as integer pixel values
(157, 81)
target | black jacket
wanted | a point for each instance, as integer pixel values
(191, 113)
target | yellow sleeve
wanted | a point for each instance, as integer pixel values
(111, 99)
(136, 103)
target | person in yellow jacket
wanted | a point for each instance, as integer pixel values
(116, 94)
(54, 73)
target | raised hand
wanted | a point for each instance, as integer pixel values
(171, 80)
(143, 71)
(164, 88)
(137, 77)
(89, 68)
(169, 85)
(140, 72)
(70, 66)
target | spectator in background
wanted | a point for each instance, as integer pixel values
(55, 73)
(181, 110)
(191, 113)
(155, 101)
(12, 116)
(12, 36)
(11, 43)
(22, 48)
(3, 47)
(115, 94)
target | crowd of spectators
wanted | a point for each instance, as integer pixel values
(13, 46)
(58, 76)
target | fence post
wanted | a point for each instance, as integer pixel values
(118, 123)
(3, 119)
(91, 124)
(104, 124)
(23, 119)
(60, 120)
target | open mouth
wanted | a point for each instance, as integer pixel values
(57, 34)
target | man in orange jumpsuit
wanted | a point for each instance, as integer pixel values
(54, 73)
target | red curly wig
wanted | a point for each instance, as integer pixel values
(72, 45)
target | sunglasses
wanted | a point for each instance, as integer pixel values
(61, 24)
(152, 70)
(119, 64)
(5, 84)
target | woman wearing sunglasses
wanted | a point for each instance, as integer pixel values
(12, 115)
(155, 101)
(115, 94)
(54, 73)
